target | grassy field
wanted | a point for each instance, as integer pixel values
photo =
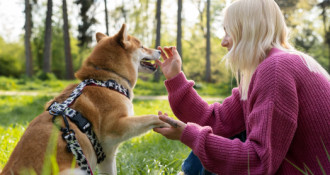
(141, 88)
(147, 154)
(150, 153)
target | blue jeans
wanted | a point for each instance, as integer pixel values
(193, 166)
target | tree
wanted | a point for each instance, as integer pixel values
(158, 19)
(288, 7)
(48, 38)
(27, 38)
(208, 43)
(179, 28)
(287, 4)
(306, 39)
(67, 47)
(85, 36)
(324, 5)
(206, 35)
(106, 18)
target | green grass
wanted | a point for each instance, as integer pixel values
(147, 154)
(141, 88)
(150, 153)
(34, 84)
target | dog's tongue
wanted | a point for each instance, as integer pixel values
(149, 64)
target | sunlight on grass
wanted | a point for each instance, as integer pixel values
(150, 153)
(9, 136)
(21, 109)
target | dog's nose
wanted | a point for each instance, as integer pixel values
(159, 51)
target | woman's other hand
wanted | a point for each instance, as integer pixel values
(175, 131)
(171, 66)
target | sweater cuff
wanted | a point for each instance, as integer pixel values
(175, 82)
(194, 133)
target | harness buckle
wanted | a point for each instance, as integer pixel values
(82, 123)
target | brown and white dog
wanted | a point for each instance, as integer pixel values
(119, 58)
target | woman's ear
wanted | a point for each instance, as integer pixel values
(99, 36)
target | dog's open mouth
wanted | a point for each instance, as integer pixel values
(148, 63)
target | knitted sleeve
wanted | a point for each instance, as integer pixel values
(226, 119)
(271, 123)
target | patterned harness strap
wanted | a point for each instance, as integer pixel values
(64, 110)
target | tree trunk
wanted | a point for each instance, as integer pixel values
(208, 44)
(27, 37)
(67, 47)
(106, 17)
(324, 5)
(158, 19)
(48, 38)
(179, 30)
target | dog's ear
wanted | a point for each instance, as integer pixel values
(99, 36)
(121, 37)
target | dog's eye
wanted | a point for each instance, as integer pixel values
(142, 47)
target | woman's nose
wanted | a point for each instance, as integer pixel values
(224, 43)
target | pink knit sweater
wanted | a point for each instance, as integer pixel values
(286, 118)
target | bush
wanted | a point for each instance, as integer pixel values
(7, 83)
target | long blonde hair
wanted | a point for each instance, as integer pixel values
(255, 27)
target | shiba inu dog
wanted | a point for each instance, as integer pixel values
(109, 111)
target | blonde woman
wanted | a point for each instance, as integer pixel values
(283, 101)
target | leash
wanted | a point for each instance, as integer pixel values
(64, 110)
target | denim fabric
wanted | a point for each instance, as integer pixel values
(193, 166)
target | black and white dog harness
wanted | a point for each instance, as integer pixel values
(64, 110)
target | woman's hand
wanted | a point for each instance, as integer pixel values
(175, 131)
(171, 66)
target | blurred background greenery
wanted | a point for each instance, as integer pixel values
(71, 27)
(56, 36)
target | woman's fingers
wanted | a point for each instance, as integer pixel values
(162, 131)
(162, 53)
(168, 51)
(174, 51)
(172, 122)
(159, 63)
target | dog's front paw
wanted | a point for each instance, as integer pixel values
(161, 124)
(164, 125)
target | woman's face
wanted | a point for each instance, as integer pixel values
(227, 41)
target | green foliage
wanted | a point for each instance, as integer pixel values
(49, 84)
(194, 61)
(58, 57)
(45, 76)
(7, 83)
(20, 110)
(87, 20)
(11, 59)
(149, 88)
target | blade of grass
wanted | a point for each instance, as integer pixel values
(296, 166)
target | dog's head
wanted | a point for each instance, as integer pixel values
(121, 54)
